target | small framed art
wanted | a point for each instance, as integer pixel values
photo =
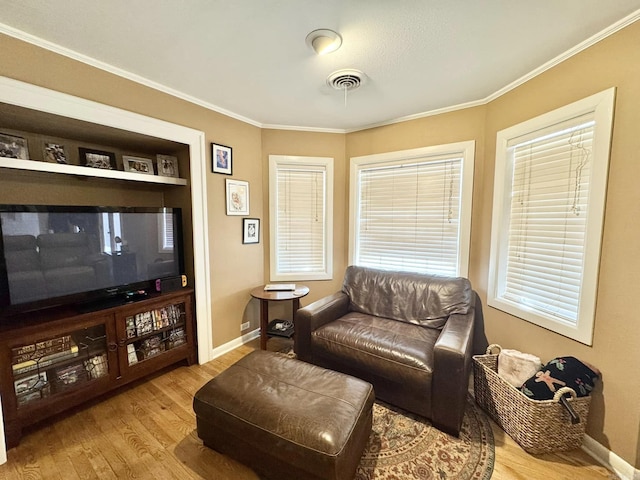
(54, 152)
(97, 158)
(250, 230)
(237, 197)
(221, 161)
(167, 165)
(13, 147)
(137, 165)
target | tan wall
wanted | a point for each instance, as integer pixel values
(309, 144)
(615, 62)
(614, 419)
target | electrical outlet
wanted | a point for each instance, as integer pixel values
(244, 326)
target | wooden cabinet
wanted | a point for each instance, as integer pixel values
(57, 359)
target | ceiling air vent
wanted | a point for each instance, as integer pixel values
(345, 79)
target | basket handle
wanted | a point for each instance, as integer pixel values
(492, 346)
(559, 396)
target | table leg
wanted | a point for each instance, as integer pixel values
(296, 307)
(264, 319)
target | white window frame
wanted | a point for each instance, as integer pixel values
(324, 164)
(601, 106)
(465, 149)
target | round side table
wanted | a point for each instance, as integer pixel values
(275, 296)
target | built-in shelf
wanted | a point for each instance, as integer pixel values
(32, 165)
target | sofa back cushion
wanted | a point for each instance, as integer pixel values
(426, 300)
(62, 250)
(21, 253)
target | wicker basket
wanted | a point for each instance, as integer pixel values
(538, 426)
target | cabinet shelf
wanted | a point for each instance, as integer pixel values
(102, 362)
(37, 166)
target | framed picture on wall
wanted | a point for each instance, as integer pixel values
(250, 230)
(54, 152)
(137, 165)
(13, 147)
(167, 165)
(97, 158)
(221, 161)
(237, 197)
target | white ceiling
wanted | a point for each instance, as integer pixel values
(249, 59)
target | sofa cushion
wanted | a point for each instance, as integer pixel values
(398, 351)
(426, 300)
(21, 253)
(60, 250)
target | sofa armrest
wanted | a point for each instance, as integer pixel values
(315, 315)
(452, 366)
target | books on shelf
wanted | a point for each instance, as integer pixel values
(71, 375)
(147, 322)
(40, 349)
(44, 361)
(97, 366)
(33, 387)
(279, 287)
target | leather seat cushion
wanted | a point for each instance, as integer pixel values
(399, 351)
(286, 418)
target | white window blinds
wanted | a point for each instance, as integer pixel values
(549, 201)
(548, 214)
(413, 213)
(300, 189)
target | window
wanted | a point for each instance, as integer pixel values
(301, 217)
(550, 184)
(165, 232)
(411, 210)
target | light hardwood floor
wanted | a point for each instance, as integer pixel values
(147, 431)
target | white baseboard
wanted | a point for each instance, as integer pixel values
(3, 445)
(235, 343)
(610, 460)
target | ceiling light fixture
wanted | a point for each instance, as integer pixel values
(324, 41)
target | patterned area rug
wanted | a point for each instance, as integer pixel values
(403, 446)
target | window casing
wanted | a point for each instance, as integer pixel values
(301, 218)
(411, 210)
(548, 211)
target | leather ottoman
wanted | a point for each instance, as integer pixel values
(285, 418)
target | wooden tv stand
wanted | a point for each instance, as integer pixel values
(56, 359)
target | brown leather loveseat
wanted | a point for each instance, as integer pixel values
(410, 335)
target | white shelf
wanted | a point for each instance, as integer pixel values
(33, 165)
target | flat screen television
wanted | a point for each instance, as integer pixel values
(89, 256)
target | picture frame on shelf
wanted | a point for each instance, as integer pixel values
(12, 146)
(97, 158)
(221, 159)
(250, 230)
(137, 165)
(237, 192)
(167, 166)
(55, 153)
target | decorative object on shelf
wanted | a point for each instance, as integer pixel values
(167, 165)
(54, 152)
(13, 147)
(137, 165)
(250, 230)
(97, 158)
(221, 159)
(237, 197)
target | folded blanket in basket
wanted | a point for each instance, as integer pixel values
(561, 372)
(516, 367)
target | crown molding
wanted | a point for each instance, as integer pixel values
(619, 25)
(55, 48)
